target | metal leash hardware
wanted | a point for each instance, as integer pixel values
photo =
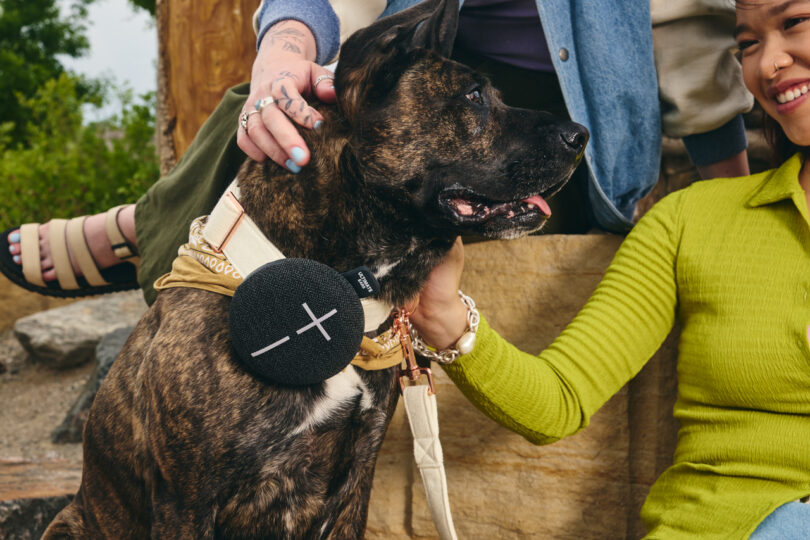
(412, 370)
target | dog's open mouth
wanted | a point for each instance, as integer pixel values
(470, 208)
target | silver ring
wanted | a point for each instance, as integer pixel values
(264, 102)
(322, 77)
(243, 119)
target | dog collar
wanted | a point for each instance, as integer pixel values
(230, 231)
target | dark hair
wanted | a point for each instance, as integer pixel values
(781, 147)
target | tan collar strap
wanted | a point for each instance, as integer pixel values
(229, 230)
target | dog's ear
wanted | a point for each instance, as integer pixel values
(373, 58)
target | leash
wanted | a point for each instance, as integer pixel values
(421, 409)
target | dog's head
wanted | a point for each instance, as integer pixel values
(434, 133)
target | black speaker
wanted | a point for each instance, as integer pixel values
(297, 321)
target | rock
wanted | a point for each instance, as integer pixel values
(27, 519)
(71, 428)
(67, 336)
(12, 354)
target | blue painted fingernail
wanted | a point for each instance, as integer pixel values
(14, 237)
(16, 259)
(292, 166)
(297, 154)
(317, 125)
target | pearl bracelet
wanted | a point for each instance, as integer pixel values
(465, 343)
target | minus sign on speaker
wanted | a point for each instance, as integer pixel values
(271, 346)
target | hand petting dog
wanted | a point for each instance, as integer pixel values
(284, 70)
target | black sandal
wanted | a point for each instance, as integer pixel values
(69, 235)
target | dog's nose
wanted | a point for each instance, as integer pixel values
(575, 137)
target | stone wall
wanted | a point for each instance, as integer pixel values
(590, 485)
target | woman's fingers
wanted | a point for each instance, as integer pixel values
(276, 135)
(323, 84)
(288, 98)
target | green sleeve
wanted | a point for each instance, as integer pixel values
(550, 396)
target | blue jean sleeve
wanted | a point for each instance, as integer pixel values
(318, 15)
(724, 142)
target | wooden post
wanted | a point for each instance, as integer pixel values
(204, 47)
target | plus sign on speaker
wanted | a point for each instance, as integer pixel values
(297, 321)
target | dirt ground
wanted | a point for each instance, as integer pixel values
(33, 401)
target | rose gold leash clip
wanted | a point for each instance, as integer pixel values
(412, 370)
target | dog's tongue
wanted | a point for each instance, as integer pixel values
(540, 203)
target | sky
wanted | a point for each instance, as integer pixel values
(123, 44)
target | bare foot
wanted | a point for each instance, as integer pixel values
(95, 235)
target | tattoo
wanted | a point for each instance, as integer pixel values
(286, 75)
(290, 47)
(287, 98)
(293, 107)
(288, 38)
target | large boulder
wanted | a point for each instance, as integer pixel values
(67, 336)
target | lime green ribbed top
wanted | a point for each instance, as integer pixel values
(730, 259)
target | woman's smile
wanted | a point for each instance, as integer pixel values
(774, 41)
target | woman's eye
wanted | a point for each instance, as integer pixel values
(475, 97)
(793, 21)
(742, 45)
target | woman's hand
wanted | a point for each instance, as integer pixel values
(285, 70)
(438, 313)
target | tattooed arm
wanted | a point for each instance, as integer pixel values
(284, 69)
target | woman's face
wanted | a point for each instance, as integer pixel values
(774, 39)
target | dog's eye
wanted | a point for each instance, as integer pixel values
(475, 97)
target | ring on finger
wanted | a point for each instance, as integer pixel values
(243, 118)
(322, 77)
(264, 102)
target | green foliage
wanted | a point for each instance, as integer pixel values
(64, 168)
(32, 34)
(148, 5)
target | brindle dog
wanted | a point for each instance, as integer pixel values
(182, 442)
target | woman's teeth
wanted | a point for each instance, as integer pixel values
(792, 94)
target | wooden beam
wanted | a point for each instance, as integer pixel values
(205, 47)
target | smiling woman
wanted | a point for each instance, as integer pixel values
(774, 39)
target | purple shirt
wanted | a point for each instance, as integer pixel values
(508, 31)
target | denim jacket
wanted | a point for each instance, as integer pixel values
(603, 56)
